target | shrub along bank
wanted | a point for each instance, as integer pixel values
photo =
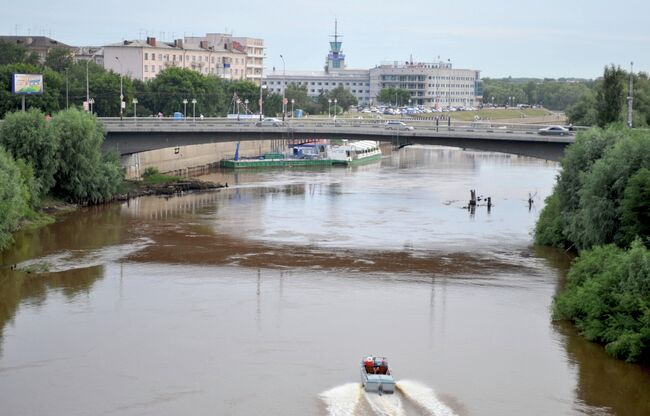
(61, 157)
(601, 206)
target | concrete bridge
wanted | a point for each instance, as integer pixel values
(130, 135)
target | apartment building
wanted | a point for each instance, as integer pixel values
(252, 47)
(145, 59)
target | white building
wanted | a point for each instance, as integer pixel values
(430, 84)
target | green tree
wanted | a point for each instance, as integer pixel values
(599, 216)
(83, 175)
(610, 97)
(11, 53)
(344, 98)
(302, 99)
(12, 202)
(608, 298)
(635, 208)
(26, 136)
(59, 59)
(48, 102)
(583, 113)
(167, 91)
(394, 96)
(245, 90)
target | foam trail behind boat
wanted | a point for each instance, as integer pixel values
(424, 397)
(342, 400)
(385, 404)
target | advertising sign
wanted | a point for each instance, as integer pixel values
(27, 84)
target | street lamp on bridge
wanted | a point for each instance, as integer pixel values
(193, 109)
(135, 108)
(184, 108)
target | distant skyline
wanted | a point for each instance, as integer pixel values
(520, 39)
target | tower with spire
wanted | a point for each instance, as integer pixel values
(335, 57)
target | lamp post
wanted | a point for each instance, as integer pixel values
(335, 101)
(409, 102)
(87, 82)
(630, 97)
(246, 105)
(292, 102)
(184, 108)
(284, 87)
(193, 109)
(121, 89)
(238, 102)
(91, 101)
(261, 100)
(329, 104)
(135, 108)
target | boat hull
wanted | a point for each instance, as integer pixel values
(377, 383)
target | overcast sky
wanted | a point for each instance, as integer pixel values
(540, 38)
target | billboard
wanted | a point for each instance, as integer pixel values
(27, 84)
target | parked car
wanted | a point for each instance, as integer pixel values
(554, 131)
(270, 121)
(397, 125)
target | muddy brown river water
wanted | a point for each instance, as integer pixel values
(261, 299)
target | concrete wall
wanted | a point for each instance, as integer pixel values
(183, 160)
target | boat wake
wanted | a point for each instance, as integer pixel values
(385, 404)
(424, 397)
(79, 259)
(350, 400)
(342, 400)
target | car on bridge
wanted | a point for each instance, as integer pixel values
(397, 125)
(554, 131)
(270, 121)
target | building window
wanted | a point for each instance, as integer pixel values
(146, 68)
(146, 56)
(160, 56)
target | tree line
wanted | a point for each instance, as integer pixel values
(554, 94)
(600, 206)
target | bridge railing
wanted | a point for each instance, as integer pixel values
(154, 123)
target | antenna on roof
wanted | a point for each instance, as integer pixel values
(336, 35)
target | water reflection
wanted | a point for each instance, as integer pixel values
(31, 290)
(605, 383)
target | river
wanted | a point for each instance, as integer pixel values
(262, 298)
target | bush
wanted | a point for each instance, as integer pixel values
(26, 136)
(608, 298)
(12, 202)
(548, 230)
(83, 175)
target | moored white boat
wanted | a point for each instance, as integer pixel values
(354, 152)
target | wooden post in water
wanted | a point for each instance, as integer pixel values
(472, 197)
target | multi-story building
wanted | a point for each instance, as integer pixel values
(145, 59)
(252, 47)
(42, 45)
(430, 84)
